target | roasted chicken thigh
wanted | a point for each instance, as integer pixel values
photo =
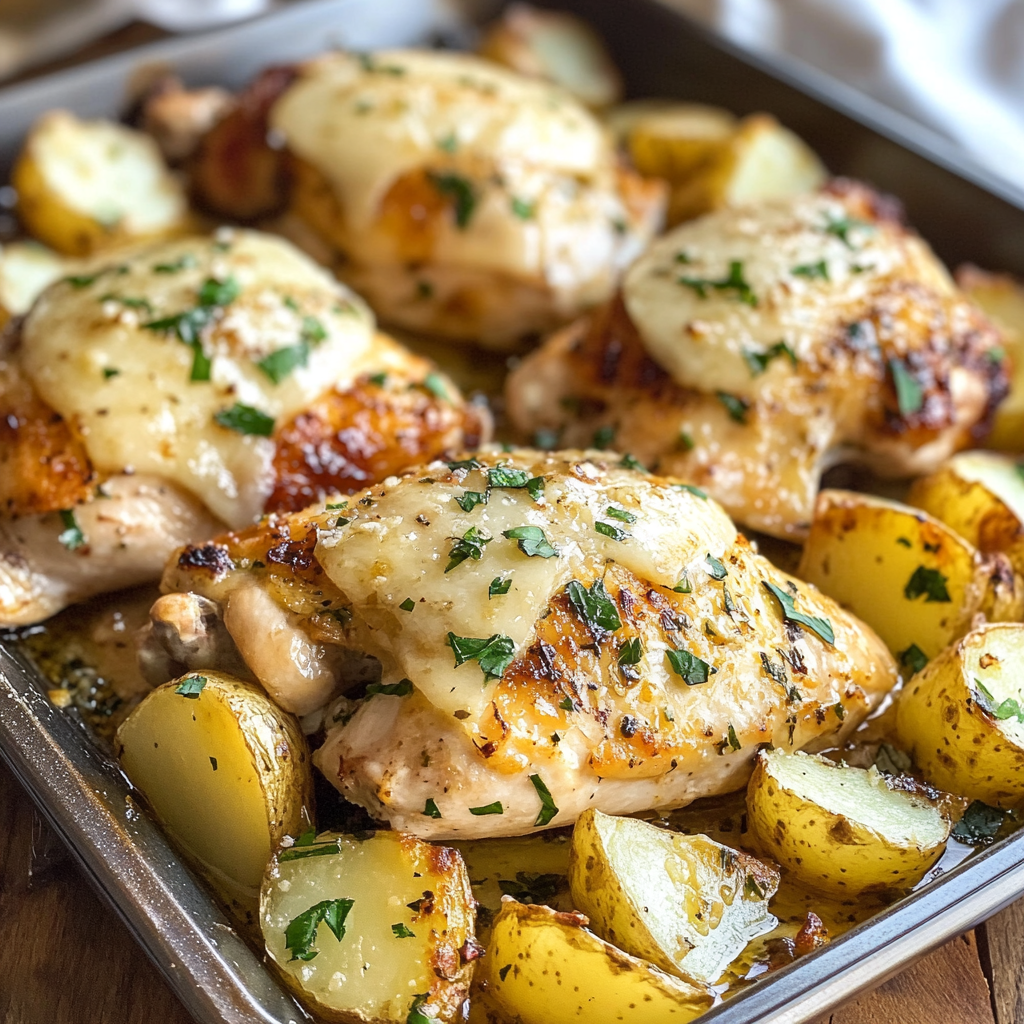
(755, 347)
(188, 387)
(526, 635)
(460, 198)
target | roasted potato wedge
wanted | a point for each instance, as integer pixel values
(907, 575)
(90, 186)
(962, 717)
(981, 496)
(843, 830)
(1002, 298)
(557, 47)
(26, 268)
(226, 772)
(686, 903)
(711, 161)
(401, 912)
(546, 967)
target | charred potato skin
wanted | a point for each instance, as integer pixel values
(956, 743)
(828, 851)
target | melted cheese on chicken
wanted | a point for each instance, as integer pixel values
(532, 169)
(398, 548)
(723, 289)
(122, 355)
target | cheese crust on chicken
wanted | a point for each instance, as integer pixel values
(542, 633)
(464, 200)
(753, 348)
(217, 378)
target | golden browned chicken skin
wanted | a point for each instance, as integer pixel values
(753, 388)
(637, 649)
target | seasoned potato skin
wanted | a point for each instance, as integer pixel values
(826, 851)
(956, 743)
(545, 966)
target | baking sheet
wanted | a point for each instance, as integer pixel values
(82, 793)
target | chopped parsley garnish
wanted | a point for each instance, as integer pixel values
(307, 846)
(407, 605)
(400, 931)
(1009, 708)
(301, 931)
(548, 810)
(460, 191)
(494, 653)
(532, 541)
(840, 710)
(611, 530)
(619, 513)
(683, 586)
(751, 889)
(842, 226)
(402, 688)
(184, 262)
(812, 270)
(523, 208)
(219, 293)
(313, 331)
(685, 441)
(507, 477)
(498, 587)
(909, 393)
(448, 143)
(735, 406)
(532, 887)
(415, 1015)
(628, 462)
(776, 671)
(435, 385)
(469, 500)
(279, 364)
(244, 419)
(716, 570)
(469, 545)
(566, 704)
(82, 280)
(631, 652)
(127, 301)
(71, 536)
(913, 659)
(465, 464)
(691, 669)
(734, 741)
(494, 808)
(191, 687)
(757, 362)
(594, 606)
(378, 380)
(928, 582)
(430, 809)
(110, 371)
(734, 281)
(603, 437)
(979, 824)
(821, 627)
(369, 64)
(692, 489)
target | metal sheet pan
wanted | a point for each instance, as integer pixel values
(965, 212)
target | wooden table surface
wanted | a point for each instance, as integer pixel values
(66, 959)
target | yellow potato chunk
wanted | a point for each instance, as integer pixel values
(90, 186)
(962, 717)
(557, 47)
(842, 830)
(711, 161)
(907, 575)
(225, 771)
(545, 967)
(377, 928)
(26, 268)
(981, 496)
(1002, 298)
(686, 903)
